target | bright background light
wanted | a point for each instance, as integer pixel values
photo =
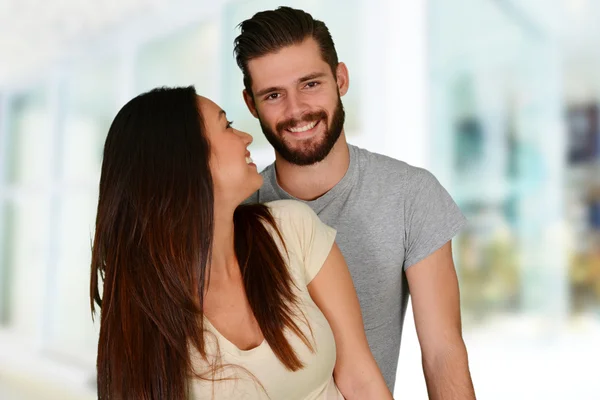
(499, 98)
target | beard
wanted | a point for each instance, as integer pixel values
(312, 151)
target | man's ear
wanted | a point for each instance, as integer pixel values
(250, 103)
(342, 78)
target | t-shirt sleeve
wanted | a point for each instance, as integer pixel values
(432, 218)
(311, 238)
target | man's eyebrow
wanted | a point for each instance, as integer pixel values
(268, 90)
(310, 77)
(222, 114)
(279, 88)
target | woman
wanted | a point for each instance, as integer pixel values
(205, 298)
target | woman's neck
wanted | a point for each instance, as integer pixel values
(223, 261)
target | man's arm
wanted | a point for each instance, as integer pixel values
(436, 307)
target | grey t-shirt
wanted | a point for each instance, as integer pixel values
(388, 216)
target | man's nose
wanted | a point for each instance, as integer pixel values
(296, 107)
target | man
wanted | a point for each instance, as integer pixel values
(395, 222)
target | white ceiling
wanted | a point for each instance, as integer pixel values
(35, 32)
(576, 22)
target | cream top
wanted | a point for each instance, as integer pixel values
(308, 242)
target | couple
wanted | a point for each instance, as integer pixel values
(220, 282)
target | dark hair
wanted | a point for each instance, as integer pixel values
(152, 250)
(270, 31)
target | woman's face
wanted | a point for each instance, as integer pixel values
(235, 176)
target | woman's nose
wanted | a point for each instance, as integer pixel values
(246, 136)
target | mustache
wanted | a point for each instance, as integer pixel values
(306, 118)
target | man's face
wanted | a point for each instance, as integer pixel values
(297, 101)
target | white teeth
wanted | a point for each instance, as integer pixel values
(249, 160)
(304, 128)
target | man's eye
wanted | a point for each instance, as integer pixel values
(229, 124)
(312, 84)
(273, 96)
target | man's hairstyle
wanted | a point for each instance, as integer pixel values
(270, 31)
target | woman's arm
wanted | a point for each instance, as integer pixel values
(356, 373)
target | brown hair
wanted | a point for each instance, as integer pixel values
(270, 31)
(151, 249)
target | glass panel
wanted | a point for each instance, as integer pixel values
(187, 57)
(30, 129)
(521, 158)
(6, 246)
(496, 100)
(26, 210)
(90, 102)
(71, 324)
(27, 253)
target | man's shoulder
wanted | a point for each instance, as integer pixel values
(288, 208)
(391, 168)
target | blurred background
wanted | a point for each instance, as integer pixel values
(498, 98)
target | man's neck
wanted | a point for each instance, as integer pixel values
(313, 181)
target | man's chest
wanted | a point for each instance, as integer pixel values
(373, 247)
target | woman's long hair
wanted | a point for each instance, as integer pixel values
(151, 252)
